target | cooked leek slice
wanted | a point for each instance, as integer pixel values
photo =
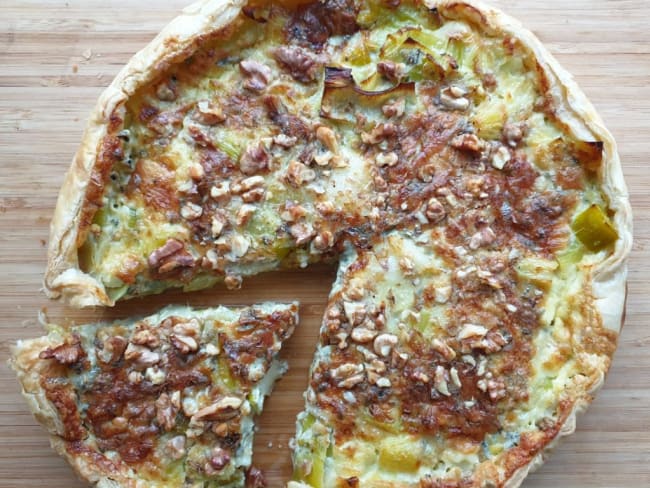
(594, 229)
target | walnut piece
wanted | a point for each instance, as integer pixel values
(166, 411)
(299, 62)
(257, 75)
(169, 257)
(66, 353)
(255, 159)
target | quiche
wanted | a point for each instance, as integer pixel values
(472, 195)
(167, 400)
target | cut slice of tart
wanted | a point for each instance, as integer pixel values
(445, 365)
(168, 400)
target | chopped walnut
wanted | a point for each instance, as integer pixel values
(443, 294)
(500, 157)
(254, 195)
(141, 355)
(355, 312)
(217, 461)
(191, 211)
(219, 190)
(323, 159)
(66, 353)
(377, 366)
(190, 328)
(239, 245)
(391, 71)
(166, 412)
(388, 159)
(302, 233)
(346, 370)
(244, 214)
(220, 429)
(420, 377)
(184, 344)
(146, 337)
(112, 350)
(383, 383)
(175, 447)
(471, 330)
(233, 282)
(468, 142)
(484, 237)
(435, 211)
(514, 133)
(258, 75)
(349, 374)
(155, 375)
(493, 342)
(300, 63)
(443, 349)
(326, 209)
(208, 113)
(395, 108)
(440, 381)
(323, 241)
(355, 290)
(225, 407)
(218, 223)
(196, 172)
(285, 141)
(455, 379)
(298, 174)
(171, 256)
(327, 137)
(495, 388)
(384, 344)
(362, 334)
(342, 337)
(453, 98)
(380, 133)
(292, 212)
(135, 377)
(255, 159)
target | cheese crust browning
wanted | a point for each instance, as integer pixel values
(167, 400)
(475, 196)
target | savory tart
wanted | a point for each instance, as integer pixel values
(164, 401)
(475, 195)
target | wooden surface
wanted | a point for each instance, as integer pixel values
(55, 58)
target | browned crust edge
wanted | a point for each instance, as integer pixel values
(29, 369)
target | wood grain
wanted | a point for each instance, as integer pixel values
(56, 57)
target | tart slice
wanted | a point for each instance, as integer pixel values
(446, 366)
(166, 401)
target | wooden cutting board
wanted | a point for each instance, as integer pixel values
(55, 59)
